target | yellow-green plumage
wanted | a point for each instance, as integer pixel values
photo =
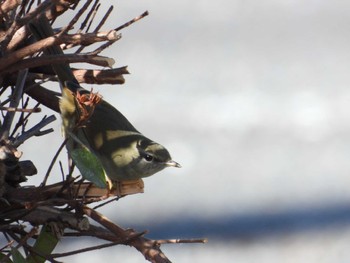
(124, 153)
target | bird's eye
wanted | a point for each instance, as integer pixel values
(148, 158)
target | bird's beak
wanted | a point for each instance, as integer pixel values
(173, 164)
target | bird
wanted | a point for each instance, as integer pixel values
(124, 152)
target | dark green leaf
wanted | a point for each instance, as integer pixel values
(16, 256)
(4, 259)
(89, 166)
(44, 245)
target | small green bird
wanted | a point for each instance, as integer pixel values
(124, 152)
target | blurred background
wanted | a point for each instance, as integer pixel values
(252, 98)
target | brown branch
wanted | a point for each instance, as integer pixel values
(182, 241)
(90, 38)
(149, 248)
(103, 233)
(88, 16)
(89, 76)
(43, 214)
(81, 190)
(103, 47)
(35, 131)
(80, 49)
(22, 21)
(58, 8)
(78, 39)
(46, 97)
(29, 50)
(15, 98)
(52, 163)
(65, 58)
(20, 35)
(8, 245)
(93, 14)
(76, 17)
(144, 14)
(104, 19)
(35, 110)
(78, 251)
(23, 240)
(104, 221)
(8, 5)
(109, 76)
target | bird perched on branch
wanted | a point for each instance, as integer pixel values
(87, 119)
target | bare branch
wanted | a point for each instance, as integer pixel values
(76, 17)
(109, 76)
(144, 14)
(93, 14)
(93, 9)
(7, 6)
(149, 248)
(22, 21)
(82, 191)
(66, 58)
(13, 104)
(43, 214)
(35, 110)
(179, 241)
(44, 96)
(80, 49)
(66, 254)
(35, 131)
(104, 19)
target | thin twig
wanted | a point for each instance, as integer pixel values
(107, 202)
(104, 19)
(149, 248)
(84, 23)
(75, 18)
(34, 110)
(104, 221)
(86, 39)
(80, 49)
(78, 251)
(23, 120)
(53, 162)
(93, 17)
(178, 241)
(9, 244)
(65, 58)
(16, 96)
(104, 46)
(35, 131)
(28, 247)
(144, 14)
